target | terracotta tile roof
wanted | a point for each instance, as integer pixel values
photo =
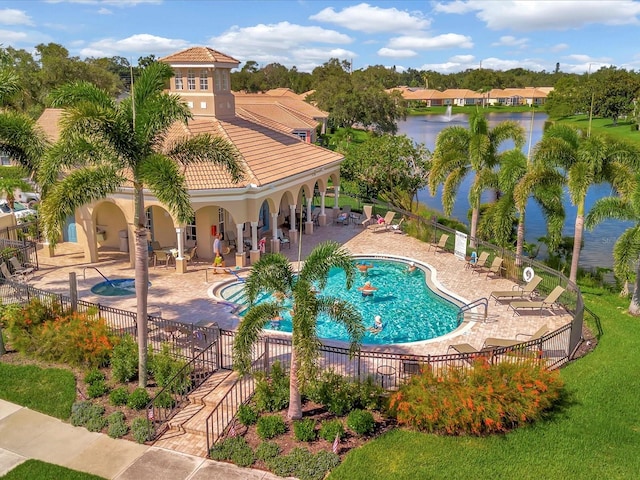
(203, 55)
(295, 104)
(460, 93)
(48, 121)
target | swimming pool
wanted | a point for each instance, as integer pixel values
(410, 310)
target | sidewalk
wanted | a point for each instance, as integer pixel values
(26, 434)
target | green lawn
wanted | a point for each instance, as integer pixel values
(621, 131)
(595, 436)
(48, 390)
(37, 470)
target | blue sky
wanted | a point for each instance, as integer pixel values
(439, 35)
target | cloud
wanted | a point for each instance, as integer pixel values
(135, 44)
(105, 11)
(115, 3)
(559, 47)
(395, 53)
(510, 41)
(525, 15)
(459, 63)
(447, 40)
(371, 19)
(8, 37)
(11, 16)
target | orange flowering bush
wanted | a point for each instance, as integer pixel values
(483, 400)
(49, 333)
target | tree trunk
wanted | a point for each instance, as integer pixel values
(634, 306)
(520, 238)
(577, 242)
(2, 349)
(142, 286)
(295, 401)
(475, 213)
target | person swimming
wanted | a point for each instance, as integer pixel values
(411, 267)
(377, 325)
(364, 267)
(367, 289)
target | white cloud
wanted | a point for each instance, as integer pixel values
(447, 40)
(467, 59)
(105, 11)
(396, 53)
(134, 44)
(11, 16)
(115, 3)
(559, 47)
(510, 41)
(371, 19)
(9, 37)
(526, 15)
(578, 57)
(459, 63)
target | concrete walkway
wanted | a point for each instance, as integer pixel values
(26, 434)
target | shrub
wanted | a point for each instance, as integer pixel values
(164, 400)
(142, 430)
(303, 464)
(330, 429)
(94, 375)
(119, 396)
(234, 449)
(340, 396)
(267, 451)
(85, 414)
(97, 389)
(247, 415)
(138, 399)
(272, 393)
(361, 422)
(96, 424)
(270, 426)
(483, 400)
(117, 425)
(124, 360)
(305, 430)
(164, 367)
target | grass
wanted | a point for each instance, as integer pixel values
(51, 391)
(595, 436)
(37, 470)
(621, 131)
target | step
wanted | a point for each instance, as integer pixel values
(183, 442)
(208, 386)
(183, 415)
(214, 397)
(196, 424)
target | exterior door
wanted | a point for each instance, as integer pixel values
(69, 232)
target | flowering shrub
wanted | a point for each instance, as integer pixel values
(483, 400)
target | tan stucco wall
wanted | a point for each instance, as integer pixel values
(110, 217)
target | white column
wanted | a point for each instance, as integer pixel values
(254, 236)
(274, 229)
(180, 246)
(309, 200)
(239, 238)
(308, 226)
(336, 204)
(292, 218)
(322, 195)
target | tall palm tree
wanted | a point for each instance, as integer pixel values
(460, 151)
(580, 161)
(106, 145)
(273, 274)
(498, 219)
(626, 251)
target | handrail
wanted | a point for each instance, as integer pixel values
(476, 303)
(84, 274)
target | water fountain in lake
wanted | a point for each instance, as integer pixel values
(448, 117)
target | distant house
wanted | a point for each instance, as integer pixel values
(283, 170)
(462, 97)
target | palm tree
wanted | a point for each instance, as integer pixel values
(626, 251)
(580, 161)
(460, 151)
(274, 274)
(106, 145)
(8, 186)
(498, 219)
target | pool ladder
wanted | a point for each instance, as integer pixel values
(475, 316)
(84, 274)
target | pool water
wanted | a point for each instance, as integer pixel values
(115, 288)
(410, 310)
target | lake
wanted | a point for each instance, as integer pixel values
(598, 244)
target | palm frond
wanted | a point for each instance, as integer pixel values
(508, 130)
(78, 93)
(579, 179)
(249, 331)
(346, 314)
(610, 208)
(626, 252)
(22, 139)
(272, 273)
(322, 259)
(450, 188)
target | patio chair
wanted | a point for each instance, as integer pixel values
(315, 217)
(441, 245)
(496, 267)
(519, 292)
(386, 221)
(283, 240)
(548, 303)
(24, 270)
(395, 228)
(479, 264)
(162, 256)
(510, 342)
(231, 239)
(8, 275)
(190, 254)
(155, 245)
(367, 211)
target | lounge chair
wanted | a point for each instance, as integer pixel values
(441, 245)
(479, 264)
(509, 342)
(517, 293)
(395, 228)
(386, 221)
(18, 269)
(547, 303)
(283, 240)
(8, 275)
(367, 211)
(496, 267)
